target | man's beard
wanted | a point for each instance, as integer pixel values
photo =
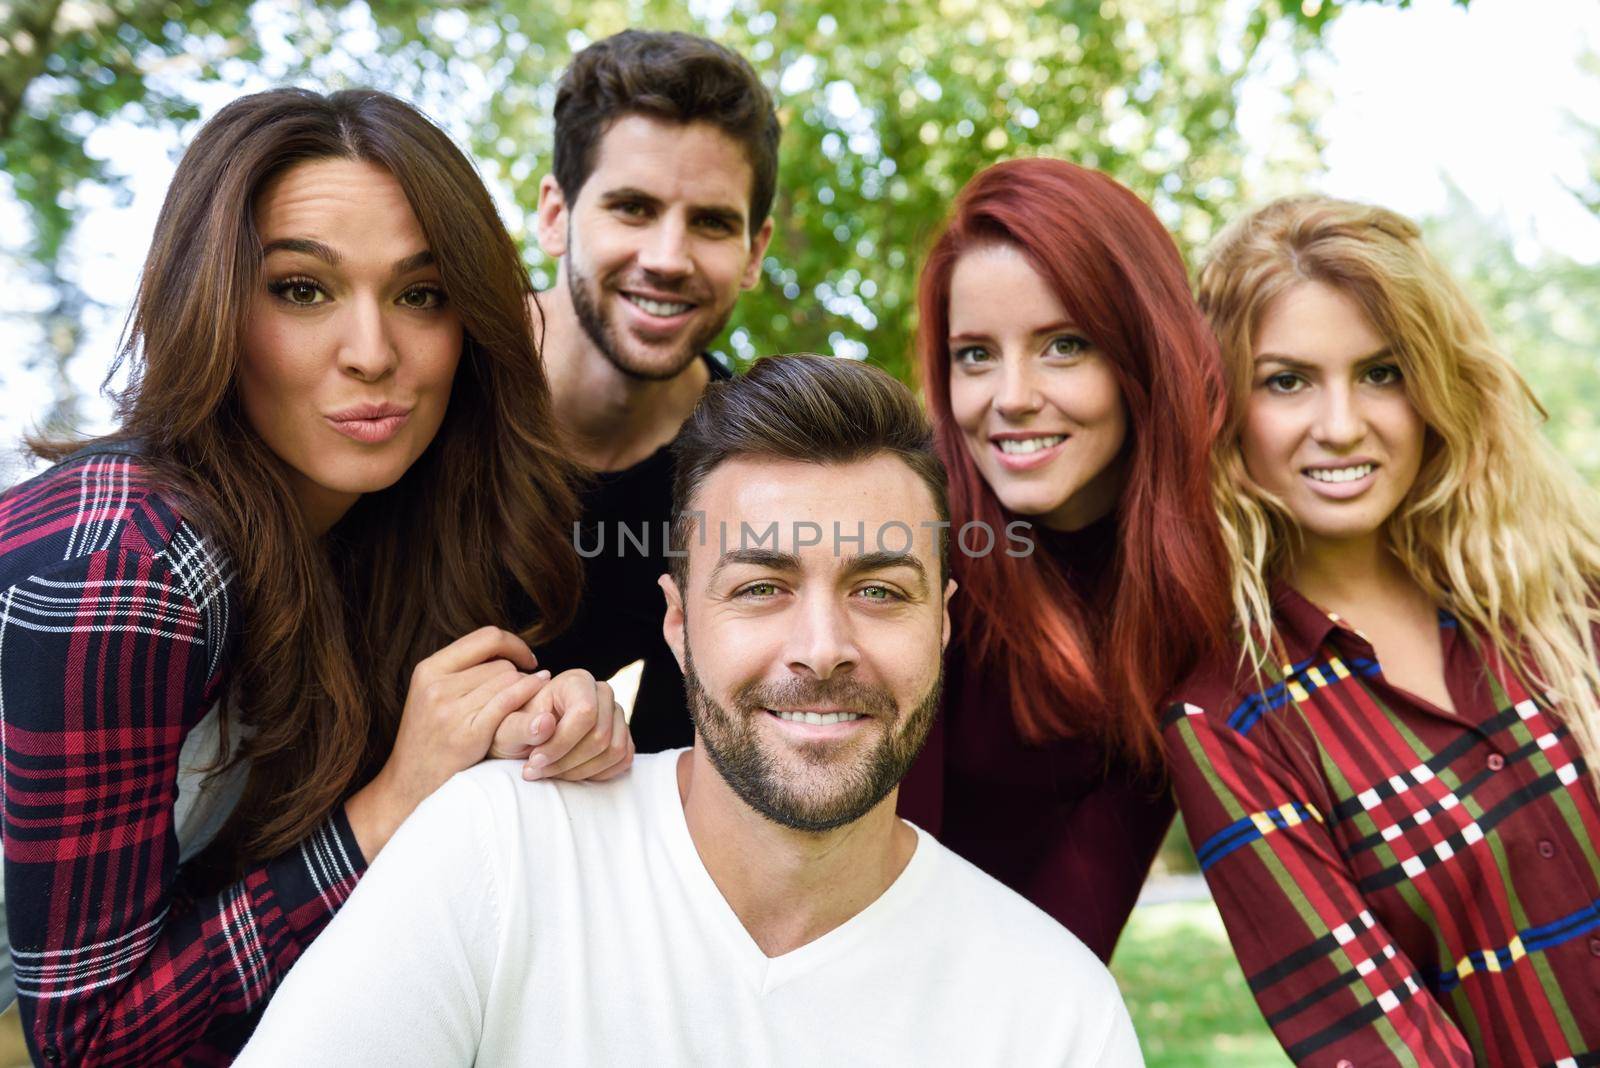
(583, 289)
(845, 792)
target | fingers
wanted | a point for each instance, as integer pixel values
(470, 650)
(489, 707)
(615, 759)
(521, 730)
(586, 714)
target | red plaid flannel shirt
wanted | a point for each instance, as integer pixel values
(116, 629)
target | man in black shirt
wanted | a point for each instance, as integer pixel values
(666, 155)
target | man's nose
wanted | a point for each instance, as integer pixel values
(822, 640)
(666, 249)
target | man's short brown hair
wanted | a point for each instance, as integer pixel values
(807, 408)
(675, 77)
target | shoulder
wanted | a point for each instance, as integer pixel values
(998, 923)
(99, 502)
(495, 793)
(1215, 690)
(1023, 965)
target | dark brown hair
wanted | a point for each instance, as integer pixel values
(333, 626)
(814, 409)
(676, 77)
(1094, 668)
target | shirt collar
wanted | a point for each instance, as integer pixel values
(1301, 625)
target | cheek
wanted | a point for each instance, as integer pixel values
(969, 399)
(434, 352)
(276, 378)
(1266, 445)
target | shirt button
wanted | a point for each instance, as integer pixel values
(1496, 761)
(1347, 1064)
(1594, 946)
(51, 1054)
(1547, 848)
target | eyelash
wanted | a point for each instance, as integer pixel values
(281, 287)
(1079, 345)
(633, 210)
(1273, 382)
(890, 594)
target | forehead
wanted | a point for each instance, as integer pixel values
(863, 496)
(694, 163)
(1317, 323)
(997, 285)
(355, 206)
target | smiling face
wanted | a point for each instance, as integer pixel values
(1037, 404)
(657, 246)
(812, 670)
(1328, 426)
(351, 345)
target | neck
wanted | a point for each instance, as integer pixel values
(613, 420)
(1338, 574)
(788, 887)
(320, 507)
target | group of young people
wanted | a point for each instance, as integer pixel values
(347, 575)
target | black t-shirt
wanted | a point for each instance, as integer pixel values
(623, 535)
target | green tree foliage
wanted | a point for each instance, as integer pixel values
(887, 107)
(1544, 315)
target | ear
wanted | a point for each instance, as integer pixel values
(672, 622)
(949, 591)
(758, 251)
(552, 218)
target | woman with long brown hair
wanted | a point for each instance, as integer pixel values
(1075, 390)
(231, 634)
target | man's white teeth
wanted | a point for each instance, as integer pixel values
(817, 717)
(663, 308)
(1340, 474)
(1022, 446)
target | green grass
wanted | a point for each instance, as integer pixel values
(1186, 994)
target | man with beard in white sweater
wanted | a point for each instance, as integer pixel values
(752, 900)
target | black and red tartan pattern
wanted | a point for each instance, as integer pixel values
(117, 623)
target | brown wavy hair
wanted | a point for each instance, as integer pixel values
(332, 626)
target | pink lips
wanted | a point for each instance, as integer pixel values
(1341, 491)
(1025, 461)
(370, 424)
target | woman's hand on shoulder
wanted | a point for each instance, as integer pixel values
(572, 729)
(458, 699)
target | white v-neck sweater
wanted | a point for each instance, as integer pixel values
(550, 923)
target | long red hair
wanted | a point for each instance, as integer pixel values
(1078, 668)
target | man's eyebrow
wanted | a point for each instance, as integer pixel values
(770, 559)
(628, 192)
(882, 560)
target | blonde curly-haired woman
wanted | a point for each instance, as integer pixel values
(1389, 788)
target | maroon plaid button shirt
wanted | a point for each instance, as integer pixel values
(116, 628)
(1402, 884)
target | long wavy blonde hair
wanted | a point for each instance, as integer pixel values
(1497, 527)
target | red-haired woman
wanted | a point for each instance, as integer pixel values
(1075, 387)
